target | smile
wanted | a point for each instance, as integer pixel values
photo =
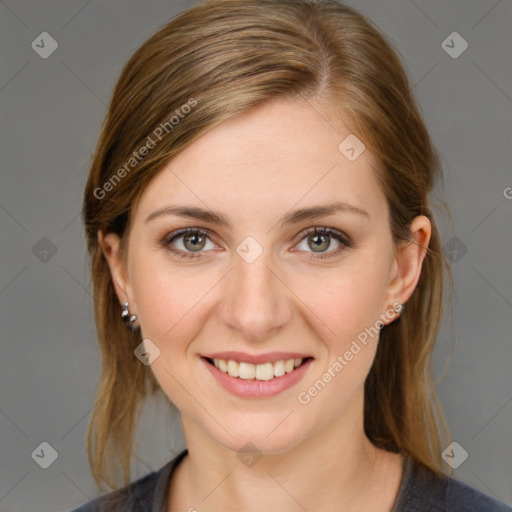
(264, 377)
(265, 371)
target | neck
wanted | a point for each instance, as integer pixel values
(346, 471)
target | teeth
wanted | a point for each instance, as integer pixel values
(265, 371)
(279, 368)
(233, 368)
(289, 365)
(246, 370)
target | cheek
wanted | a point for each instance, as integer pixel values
(168, 304)
(346, 317)
(167, 301)
(349, 337)
(345, 302)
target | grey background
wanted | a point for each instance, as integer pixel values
(51, 114)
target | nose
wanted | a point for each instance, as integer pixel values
(256, 301)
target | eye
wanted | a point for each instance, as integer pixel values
(192, 240)
(320, 239)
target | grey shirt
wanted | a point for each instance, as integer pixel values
(421, 490)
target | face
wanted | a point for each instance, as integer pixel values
(263, 288)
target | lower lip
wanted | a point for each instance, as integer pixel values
(252, 388)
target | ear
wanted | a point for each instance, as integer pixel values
(409, 256)
(110, 245)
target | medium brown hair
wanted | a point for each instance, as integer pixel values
(222, 58)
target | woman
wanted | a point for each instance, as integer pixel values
(265, 257)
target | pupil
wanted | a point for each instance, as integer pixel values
(194, 237)
(317, 238)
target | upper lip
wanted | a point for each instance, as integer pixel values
(269, 357)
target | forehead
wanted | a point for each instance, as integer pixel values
(283, 153)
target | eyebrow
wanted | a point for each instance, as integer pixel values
(293, 217)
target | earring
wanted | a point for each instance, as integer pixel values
(128, 319)
(396, 307)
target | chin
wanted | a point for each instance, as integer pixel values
(253, 433)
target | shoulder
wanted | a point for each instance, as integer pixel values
(147, 494)
(423, 490)
(137, 495)
(461, 497)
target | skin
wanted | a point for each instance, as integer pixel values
(255, 168)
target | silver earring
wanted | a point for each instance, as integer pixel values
(397, 307)
(128, 319)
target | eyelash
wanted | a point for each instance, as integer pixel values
(166, 241)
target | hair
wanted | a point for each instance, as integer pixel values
(222, 58)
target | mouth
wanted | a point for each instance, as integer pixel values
(265, 371)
